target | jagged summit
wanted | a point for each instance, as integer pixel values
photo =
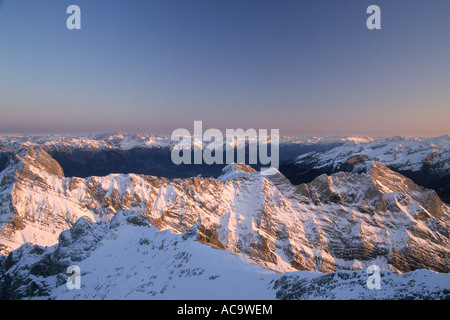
(234, 170)
(347, 220)
(405, 154)
(30, 166)
(377, 187)
(39, 160)
(33, 207)
(424, 161)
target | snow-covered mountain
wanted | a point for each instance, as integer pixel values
(102, 154)
(107, 141)
(343, 221)
(127, 141)
(128, 258)
(426, 161)
(412, 154)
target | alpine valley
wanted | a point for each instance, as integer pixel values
(309, 231)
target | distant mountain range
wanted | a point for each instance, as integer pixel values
(302, 159)
(125, 141)
(102, 154)
(426, 161)
(361, 214)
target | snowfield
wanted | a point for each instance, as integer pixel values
(128, 258)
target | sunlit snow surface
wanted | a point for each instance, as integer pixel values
(405, 154)
(129, 259)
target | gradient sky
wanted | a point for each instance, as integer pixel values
(151, 66)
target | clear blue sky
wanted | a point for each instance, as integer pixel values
(304, 67)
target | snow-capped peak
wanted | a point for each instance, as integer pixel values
(397, 152)
(235, 171)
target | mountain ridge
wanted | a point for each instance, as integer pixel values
(426, 161)
(343, 221)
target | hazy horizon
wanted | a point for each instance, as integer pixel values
(22, 134)
(307, 68)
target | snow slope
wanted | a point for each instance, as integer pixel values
(127, 258)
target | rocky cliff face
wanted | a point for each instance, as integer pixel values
(342, 221)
